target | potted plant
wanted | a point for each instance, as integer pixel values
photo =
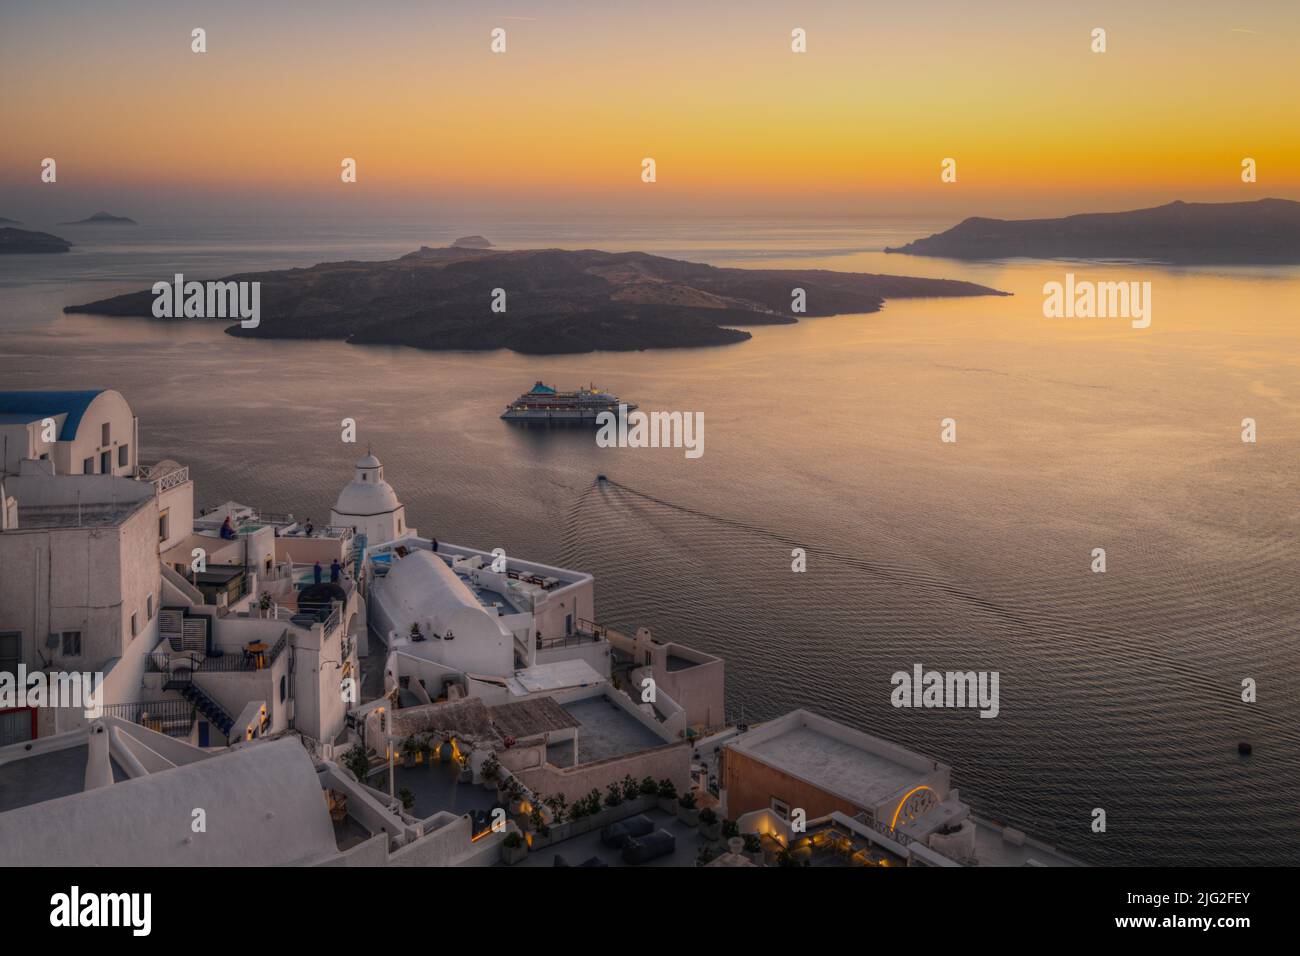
(730, 829)
(538, 819)
(410, 747)
(416, 636)
(667, 796)
(264, 603)
(358, 761)
(426, 749)
(649, 788)
(516, 797)
(558, 805)
(630, 788)
(687, 811)
(407, 798)
(754, 848)
(786, 858)
(710, 825)
(513, 848)
(613, 795)
(593, 802)
(466, 773)
(490, 772)
(504, 788)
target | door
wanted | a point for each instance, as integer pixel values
(106, 463)
(568, 625)
(11, 652)
(203, 733)
(17, 725)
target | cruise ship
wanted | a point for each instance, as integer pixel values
(544, 404)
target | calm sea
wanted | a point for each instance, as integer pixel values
(1118, 690)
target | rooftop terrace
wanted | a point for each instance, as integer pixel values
(73, 516)
(858, 774)
(437, 787)
(606, 730)
(579, 849)
(47, 776)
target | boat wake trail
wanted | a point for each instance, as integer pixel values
(656, 510)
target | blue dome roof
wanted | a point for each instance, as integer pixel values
(15, 405)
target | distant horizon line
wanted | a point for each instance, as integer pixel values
(532, 215)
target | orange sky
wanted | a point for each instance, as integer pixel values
(736, 122)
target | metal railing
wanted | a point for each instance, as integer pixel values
(569, 640)
(175, 718)
(174, 665)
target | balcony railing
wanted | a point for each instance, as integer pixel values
(164, 481)
(175, 718)
(225, 661)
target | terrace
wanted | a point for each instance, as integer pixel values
(604, 730)
(47, 776)
(437, 788)
(577, 850)
(245, 521)
(175, 718)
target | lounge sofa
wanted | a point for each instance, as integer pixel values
(617, 834)
(643, 849)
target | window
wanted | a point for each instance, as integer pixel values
(103, 434)
(135, 626)
(71, 643)
(11, 651)
(284, 686)
(148, 608)
(781, 808)
(123, 455)
(162, 525)
(88, 466)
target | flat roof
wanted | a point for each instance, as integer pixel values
(556, 675)
(992, 850)
(577, 850)
(527, 718)
(858, 775)
(606, 730)
(47, 776)
(70, 516)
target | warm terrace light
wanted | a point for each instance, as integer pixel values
(899, 809)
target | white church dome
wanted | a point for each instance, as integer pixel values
(367, 494)
(362, 499)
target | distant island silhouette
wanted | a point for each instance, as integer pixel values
(102, 219)
(10, 222)
(27, 242)
(1263, 232)
(557, 300)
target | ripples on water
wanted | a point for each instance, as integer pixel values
(1117, 691)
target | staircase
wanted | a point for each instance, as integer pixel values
(204, 704)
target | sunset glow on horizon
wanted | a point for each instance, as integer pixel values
(736, 122)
